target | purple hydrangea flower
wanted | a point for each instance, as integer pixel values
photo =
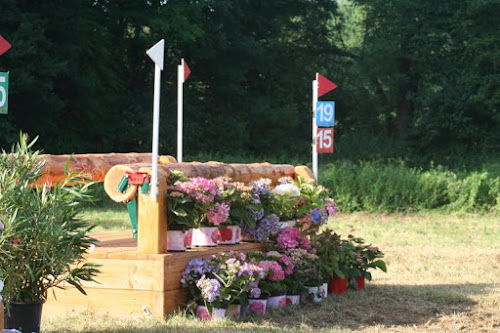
(255, 293)
(210, 288)
(315, 215)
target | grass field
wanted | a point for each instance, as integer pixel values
(444, 276)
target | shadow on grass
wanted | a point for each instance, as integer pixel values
(378, 305)
(387, 305)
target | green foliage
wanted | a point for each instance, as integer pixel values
(42, 243)
(394, 187)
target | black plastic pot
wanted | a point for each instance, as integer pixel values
(25, 317)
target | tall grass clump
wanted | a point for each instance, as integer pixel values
(394, 187)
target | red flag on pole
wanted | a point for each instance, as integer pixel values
(187, 71)
(324, 85)
(4, 45)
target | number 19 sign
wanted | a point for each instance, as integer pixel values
(325, 114)
(325, 140)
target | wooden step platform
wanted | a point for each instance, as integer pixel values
(130, 281)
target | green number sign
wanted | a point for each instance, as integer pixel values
(4, 93)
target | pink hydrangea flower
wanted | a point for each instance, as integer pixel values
(291, 238)
(218, 214)
(274, 270)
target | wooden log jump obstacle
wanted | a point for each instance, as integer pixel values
(139, 276)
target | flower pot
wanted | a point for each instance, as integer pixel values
(274, 302)
(205, 236)
(314, 294)
(293, 299)
(285, 224)
(203, 314)
(218, 313)
(337, 286)
(323, 290)
(25, 317)
(360, 280)
(236, 234)
(233, 311)
(188, 239)
(226, 236)
(176, 241)
(256, 306)
(247, 237)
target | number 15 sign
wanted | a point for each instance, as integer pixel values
(324, 141)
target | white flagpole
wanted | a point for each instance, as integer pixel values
(156, 54)
(180, 102)
(315, 128)
(156, 130)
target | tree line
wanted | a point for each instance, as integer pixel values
(415, 77)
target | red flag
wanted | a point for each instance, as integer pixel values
(187, 71)
(4, 45)
(324, 85)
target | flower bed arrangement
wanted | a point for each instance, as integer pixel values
(302, 259)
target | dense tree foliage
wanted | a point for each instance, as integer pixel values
(423, 76)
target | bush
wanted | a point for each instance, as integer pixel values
(42, 243)
(394, 187)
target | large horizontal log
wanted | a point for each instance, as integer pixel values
(237, 172)
(92, 166)
(305, 173)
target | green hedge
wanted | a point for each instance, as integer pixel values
(394, 187)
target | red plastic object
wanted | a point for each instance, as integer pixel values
(4, 45)
(137, 178)
(361, 282)
(324, 85)
(337, 286)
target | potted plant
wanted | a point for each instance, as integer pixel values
(327, 245)
(239, 197)
(42, 242)
(366, 257)
(208, 211)
(287, 196)
(180, 219)
(237, 279)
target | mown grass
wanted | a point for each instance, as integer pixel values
(443, 277)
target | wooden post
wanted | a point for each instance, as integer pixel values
(152, 218)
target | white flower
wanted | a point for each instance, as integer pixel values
(1, 285)
(287, 189)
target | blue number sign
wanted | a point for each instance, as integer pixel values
(325, 114)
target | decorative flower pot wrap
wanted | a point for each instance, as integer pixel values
(233, 311)
(236, 234)
(176, 241)
(293, 299)
(274, 302)
(226, 236)
(205, 236)
(287, 224)
(315, 294)
(257, 306)
(323, 290)
(202, 313)
(188, 240)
